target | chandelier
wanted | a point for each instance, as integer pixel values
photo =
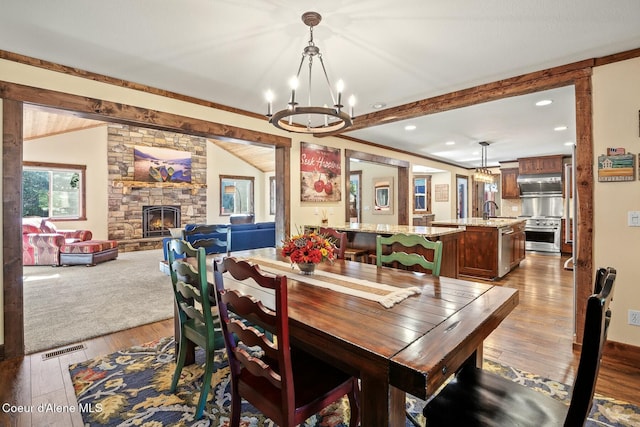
(314, 119)
(483, 174)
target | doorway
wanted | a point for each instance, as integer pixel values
(355, 196)
(462, 196)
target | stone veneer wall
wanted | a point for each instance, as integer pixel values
(127, 197)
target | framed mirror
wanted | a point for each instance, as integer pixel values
(383, 196)
(236, 195)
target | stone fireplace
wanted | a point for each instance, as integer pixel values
(157, 220)
(170, 205)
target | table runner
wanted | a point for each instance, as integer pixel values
(386, 295)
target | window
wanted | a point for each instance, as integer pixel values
(236, 195)
(52, 190)
(422, 194)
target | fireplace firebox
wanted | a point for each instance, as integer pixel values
(157, 220)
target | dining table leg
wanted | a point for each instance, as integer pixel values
(381, 405)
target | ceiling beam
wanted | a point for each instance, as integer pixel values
(520, 85)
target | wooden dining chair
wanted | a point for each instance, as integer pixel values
(198, 324)
(211, 245)
(409, 259)
(479, 398)
(288, 385)
(344, 251)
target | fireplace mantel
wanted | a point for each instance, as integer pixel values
(129, 185)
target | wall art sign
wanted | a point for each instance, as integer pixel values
(442, 192)
(383, 196)
(153, 164)
(320, 171)
(616, 168)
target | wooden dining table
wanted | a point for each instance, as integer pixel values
(411, 347)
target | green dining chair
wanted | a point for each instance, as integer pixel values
(193, 300)
(408, 259)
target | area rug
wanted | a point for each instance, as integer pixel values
(131, 388)
(65, 305)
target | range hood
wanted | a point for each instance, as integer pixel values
(540, 184)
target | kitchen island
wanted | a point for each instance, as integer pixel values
(363, 236)
(489, 248)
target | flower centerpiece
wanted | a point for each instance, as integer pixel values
(308, 249)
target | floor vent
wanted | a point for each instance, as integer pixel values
(62, 351)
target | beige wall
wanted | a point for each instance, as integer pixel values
(221, 162)
(85, 147)
(616, 103)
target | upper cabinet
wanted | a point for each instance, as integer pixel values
(509, 182)
(542, 164)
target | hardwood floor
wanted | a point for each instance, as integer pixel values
(537, 337)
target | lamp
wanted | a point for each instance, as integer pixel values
(482, 174)
(319, 120)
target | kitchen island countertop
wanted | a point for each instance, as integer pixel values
(479, 222)
(393, 229)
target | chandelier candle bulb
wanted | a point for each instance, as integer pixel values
(340, 88)
(269, 97)
(352, 103)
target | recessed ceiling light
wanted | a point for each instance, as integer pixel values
(410, 127)
(543, 102)
(379, 105)
(450, 143)
(560, 128)
(568, 143)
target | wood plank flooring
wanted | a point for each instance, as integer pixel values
(537, 337)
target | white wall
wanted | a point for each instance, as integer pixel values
(616, 103)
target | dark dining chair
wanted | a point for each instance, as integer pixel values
(479, 398)
(198, 324)
(286, 384)
(211, 245)
(409, 259)
(338, 238)
(344, 251)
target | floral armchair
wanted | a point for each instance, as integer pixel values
(41, 241)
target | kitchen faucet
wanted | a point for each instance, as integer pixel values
(486, 210)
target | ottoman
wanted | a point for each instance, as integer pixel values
(89, 252)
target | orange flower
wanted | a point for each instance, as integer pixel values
(308, 247)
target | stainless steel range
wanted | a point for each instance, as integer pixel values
(542, 206)
(542, 234)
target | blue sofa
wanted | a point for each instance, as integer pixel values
(243, 236)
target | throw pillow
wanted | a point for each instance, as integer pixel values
(47, 226)
(29, 228)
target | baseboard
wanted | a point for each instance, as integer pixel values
(622, 353)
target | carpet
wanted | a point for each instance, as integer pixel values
(131, 388)
(65, 305)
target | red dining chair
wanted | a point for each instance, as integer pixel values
(286, 384)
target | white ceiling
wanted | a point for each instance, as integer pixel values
(232, 51)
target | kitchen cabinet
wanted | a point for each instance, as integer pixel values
(489, 249)
(423, 220)
(509, 183)
(566, 248)
(517, 242)
(539, 165)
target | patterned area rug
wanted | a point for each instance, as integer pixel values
(131, 388)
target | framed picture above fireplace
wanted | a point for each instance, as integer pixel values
(153, 164)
